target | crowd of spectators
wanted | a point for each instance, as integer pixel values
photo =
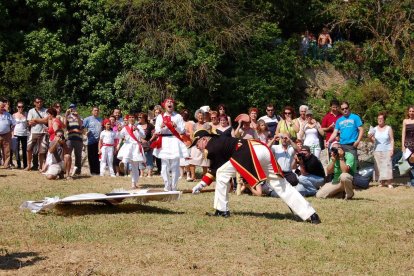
(45, 140)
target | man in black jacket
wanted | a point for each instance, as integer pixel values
(312, 173)
(255, 163)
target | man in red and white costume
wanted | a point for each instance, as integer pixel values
(255, 162)
(169, 146)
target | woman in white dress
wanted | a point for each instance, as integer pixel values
(383, 138)
(131, 151)
(309, 134)
(196, 156)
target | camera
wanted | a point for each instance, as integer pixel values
(61, 137)
(334, 151)
(300, 155)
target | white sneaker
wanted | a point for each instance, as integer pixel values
(74, 171)
(112, 175)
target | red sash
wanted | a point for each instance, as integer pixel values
(168, 123)
(131, 133)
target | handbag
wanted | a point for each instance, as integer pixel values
(403, 166)
(321, 141)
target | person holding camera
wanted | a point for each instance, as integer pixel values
(74, 142)
(312, 173)
(56, 154)
(343, 166)
(284, 153)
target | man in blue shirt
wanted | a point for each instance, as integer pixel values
(93, 124)
(350, 130)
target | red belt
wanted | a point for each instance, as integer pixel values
(107, 145)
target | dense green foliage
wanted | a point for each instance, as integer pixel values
(133, 54)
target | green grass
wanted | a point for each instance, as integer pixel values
(372, 234)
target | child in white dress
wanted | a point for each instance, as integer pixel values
(131, 151)
(106, 148)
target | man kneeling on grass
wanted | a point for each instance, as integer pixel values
(55, 157)
(343, 167)
(255, 163)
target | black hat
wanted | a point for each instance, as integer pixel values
(200, 134)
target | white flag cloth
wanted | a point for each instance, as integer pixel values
(114, 197)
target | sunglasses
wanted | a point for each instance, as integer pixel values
(344, 108)
(38, 102)
(213, 118)
(20, 106)
(269, 110)
(288, 113)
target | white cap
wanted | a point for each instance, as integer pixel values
(205, 108)
(336, 142)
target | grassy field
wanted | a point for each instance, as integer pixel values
(371, 234)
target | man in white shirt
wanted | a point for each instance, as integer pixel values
(169, 147)
(270, 119)
(285, 154)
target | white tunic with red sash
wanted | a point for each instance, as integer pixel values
(170, 145)
(131, 150)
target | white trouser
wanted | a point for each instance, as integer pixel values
(173, 165)
(107, 158)
(134, 172)
(286, 192)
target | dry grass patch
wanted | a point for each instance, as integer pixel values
(372, 234)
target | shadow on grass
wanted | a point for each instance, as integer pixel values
(19, 259)
(82, 176)
(5, 175)
(97, 209)
(148, 186)
(361, 199)
(270, 215)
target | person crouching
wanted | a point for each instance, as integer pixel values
(56, 152)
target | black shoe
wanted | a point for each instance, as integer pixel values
(314, 219)
(218, 213)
